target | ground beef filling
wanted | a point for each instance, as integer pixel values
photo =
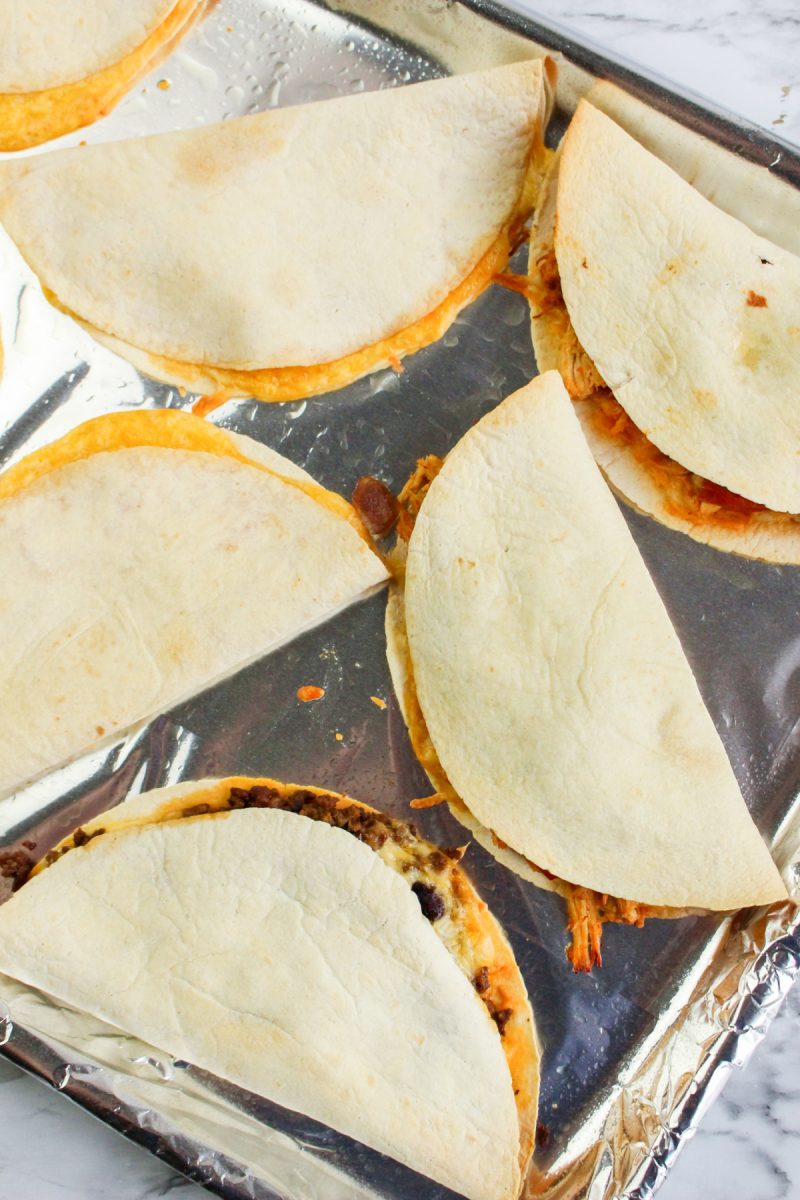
(420, 858)
(15, 866)
(372, 828)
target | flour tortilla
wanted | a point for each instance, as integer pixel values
(64, 63)
(769, 536)
(552, 682)
(767, 204)
(284, 955)
(290, 239)
(136, 576)
(691, 319)
(45, 43)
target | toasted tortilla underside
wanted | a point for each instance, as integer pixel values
(562, 708)
(691, 319)
(144, 557)
(289, 252)
(294, 960)
(649, 480)
(65, 63)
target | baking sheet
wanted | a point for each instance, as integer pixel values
(633, 1052)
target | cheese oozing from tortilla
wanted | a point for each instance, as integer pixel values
(41, 99)
(293, 383)
(447, 899)
(167, 429)
(149, 555)
(238, 271)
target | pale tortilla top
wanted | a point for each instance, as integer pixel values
(282, 954)
(553, 685)
(691, 319)
(46, 43)
(293, 237)
(142, 558)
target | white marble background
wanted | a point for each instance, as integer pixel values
(746, 57)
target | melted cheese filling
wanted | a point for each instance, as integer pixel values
(29, 118)
(277, 384)
(294, 383)
(162, 428)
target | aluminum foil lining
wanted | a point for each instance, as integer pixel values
(633, 1053)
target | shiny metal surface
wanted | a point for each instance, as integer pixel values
(632, 1053)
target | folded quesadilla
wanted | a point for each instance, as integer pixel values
(306, 947)
(288, 253)
(545, 690)
(677, 332)
(145, 556)
(65, 63)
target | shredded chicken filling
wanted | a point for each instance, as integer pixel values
(587, 910)
(687, 496)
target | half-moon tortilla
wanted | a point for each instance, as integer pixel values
(676, 331)
(550, 682)
(271, 934)
(285, 254)
(65, 63)
(145, 556)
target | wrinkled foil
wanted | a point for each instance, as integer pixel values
(634, 1053)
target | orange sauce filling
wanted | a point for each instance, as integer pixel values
(687, 496)
(29, 118)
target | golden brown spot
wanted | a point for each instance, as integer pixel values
(756, 300)
(704, 398)
(752, 351)
(244, 143)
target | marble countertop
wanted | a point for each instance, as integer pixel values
(746, 58)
